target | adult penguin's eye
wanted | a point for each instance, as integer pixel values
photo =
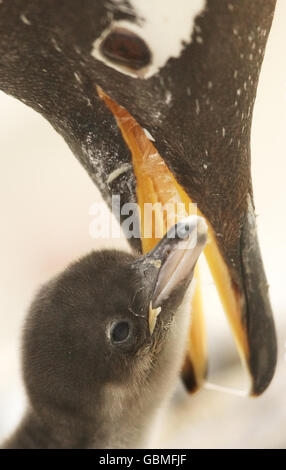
(119, 332)
(125, 47)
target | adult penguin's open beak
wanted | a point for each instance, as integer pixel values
(242, 287)
(156, 122)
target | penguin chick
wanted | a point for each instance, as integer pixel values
(104, 342)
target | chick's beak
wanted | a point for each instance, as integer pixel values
(176, 255)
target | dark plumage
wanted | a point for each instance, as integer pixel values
(96, 366)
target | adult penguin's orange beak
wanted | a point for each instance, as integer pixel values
(243, 292)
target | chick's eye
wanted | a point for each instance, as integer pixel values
(120, 332)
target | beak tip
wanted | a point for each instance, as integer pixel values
(261, 332)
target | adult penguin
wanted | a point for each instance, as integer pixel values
(117, 77)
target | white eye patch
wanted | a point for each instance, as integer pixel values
(164, 25)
